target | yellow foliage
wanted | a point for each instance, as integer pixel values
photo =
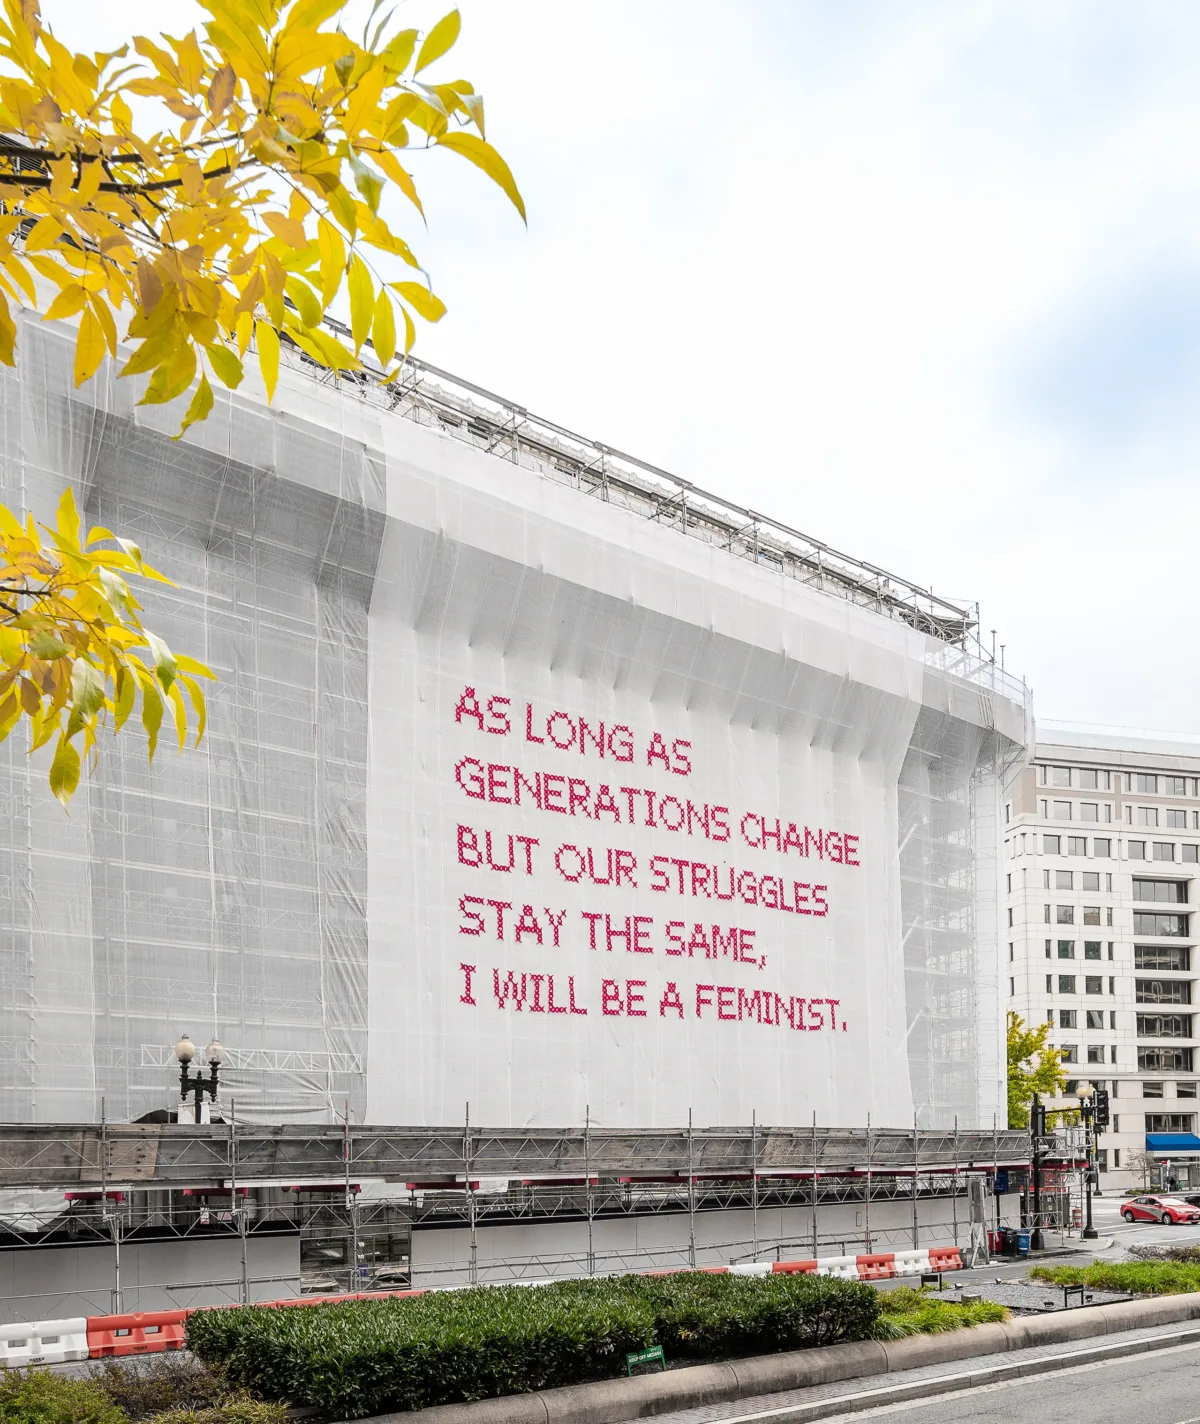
(73, 652)
(246, 204)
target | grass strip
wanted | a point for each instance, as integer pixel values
(1134, 1277)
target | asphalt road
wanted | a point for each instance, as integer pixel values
(1160, 1388)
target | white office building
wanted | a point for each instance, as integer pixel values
(1102, 859)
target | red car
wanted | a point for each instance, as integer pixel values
(1171, 1211)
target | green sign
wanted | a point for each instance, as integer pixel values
(645, 1357)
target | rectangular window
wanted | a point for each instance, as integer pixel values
(1112, 985)
(1164, 1060)
(1047, 914)
(1077, 845)
(1151, 1090)
(1093, 984)
(1091, 949)
(1110, 949)
(1095, 1053)
(1060, 776)
(1064, 914)
(1147, 816)
(1012, 988)
(1108, 918)
(1102, 849)
(1091, 880)
(1170, 1122)
(1048, 944)
(1112, 1023)
(1165, 926)
(1051, 845)
(1162, 991)
(1064, 880)
(1066, 983)
(1164, 850)
(1070, 1054)
(1108, 881)
(1164, 1025)
(1164, 892)
(1089, 811)
(1091, 915)
(1010, 920)
(1066, 949)
(1008, 878)
(1087, 780)
(1190, 854)
(1112, 1058)
(1116, 1159)
(1066, 1018)
(1010, 952)
(1050, 989)
(1174, 785)
(1136, 849)
(1095, 1018)
(1062, 810)
(1107, 814)
(1146, 783)
(1185, 1090)
(1177, 820)
(1162, 956)
(1045, 880)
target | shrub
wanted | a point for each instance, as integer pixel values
(905, 1311)
(143, 1386)
(1134, 1277)
(351, 1359)
(1189, 1254)
(41, 1397)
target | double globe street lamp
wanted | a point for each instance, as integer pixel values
(197, 1085)
(1087, 1111)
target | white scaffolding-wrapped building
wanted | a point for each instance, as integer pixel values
(400, 591)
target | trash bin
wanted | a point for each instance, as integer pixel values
(1008, 1241)
(1022, 1243)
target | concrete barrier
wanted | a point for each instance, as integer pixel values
(615, 1401)
(43, 1342)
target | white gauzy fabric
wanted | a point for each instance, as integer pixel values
(632, 820)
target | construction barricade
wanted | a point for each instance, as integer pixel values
(877, 1267)
(143, 1333)
(43, 1342)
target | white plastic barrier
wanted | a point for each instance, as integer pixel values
(43, 1342)
(751, 1268)
(843, 1268)
(912, 1263)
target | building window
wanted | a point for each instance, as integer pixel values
(1146, 783)
(1164, 892)
(1095, 1018)
(1091, 915)
(1116, 1158)
(1010, 920)
(1045, 880)
(1066, 949)
(1136, 850)
(1010, 952)
(1091, 949)
(1164, 1060)
(1066, 983)
(1064, 880)
(1069, 1053)
(1091, 880)
(1048, 944)
(1047, 908)
(1170, 1122)
(1066, 1018)
(1110, 949)
(1051, 845)
(1008, 877)
(1108, 919)
(1113, 1058)
(1177, 820)
(1102, 848)
(1190, 854)
(1147, 815)
(1077, 845)
(1108, 881)
(1050, 990)
(1087, 780)
(1062, 810)
(1164, 850)
(1060, 776)
(1162, 956)
(1152, 1090)
(1095, 1053)
(1065, 915)
(1112, 985)
(1093, 984)
(1089, 811)
(1163, 926)
(1162, 991)
(1112, 1023)
(1174, 785)
(1164, 1025)
(1185, 1090)
(1012, 988)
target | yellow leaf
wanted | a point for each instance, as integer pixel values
(422, 301)
(439, 40)
(64, 770)
(180, 714)
(399, 50)
(400, 176)
(286, 229)
(383, 331)
(89, 347)
(304, 300)
(362, 302)
(201, 405)
(45, 233)
(333, 259)
(152, 713)
(196, 693)
(8, 333)
(267, 340)
(483, 155)
(68, 518)
(226, 365)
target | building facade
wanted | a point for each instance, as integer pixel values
(1101, 863)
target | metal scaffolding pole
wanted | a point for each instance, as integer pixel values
(916, 1234)
(754, 1176)
(587, 1187)
(867, 1204)
(691, 1196)
(814, 1184)
(473, 1268)
(239, 1215)
(954, 1193)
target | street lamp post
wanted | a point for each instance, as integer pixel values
(198, 1085)
(1086, 1094)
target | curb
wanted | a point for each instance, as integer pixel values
(617, 1401)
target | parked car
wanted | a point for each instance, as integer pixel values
(1171, 1211)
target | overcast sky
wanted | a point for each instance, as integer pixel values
(920, 278)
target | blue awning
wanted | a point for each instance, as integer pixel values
(1172, 1144)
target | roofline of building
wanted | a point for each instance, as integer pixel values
(1130, 741)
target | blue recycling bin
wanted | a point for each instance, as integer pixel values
(1022, 1243)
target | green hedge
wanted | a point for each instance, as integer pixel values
(1135, 1277)
(369, 1357)
(905, 1312)
(40, 1397)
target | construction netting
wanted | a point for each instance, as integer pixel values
(511, 796)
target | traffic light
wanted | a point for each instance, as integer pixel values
(1101, 1108)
